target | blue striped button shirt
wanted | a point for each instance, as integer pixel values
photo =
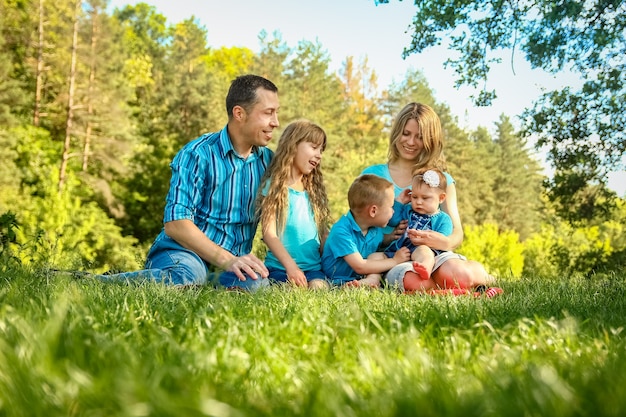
(216, 188)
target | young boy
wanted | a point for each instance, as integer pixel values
(349, 256)
(423, 213)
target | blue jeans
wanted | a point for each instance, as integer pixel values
(182, 267)
(279, 275)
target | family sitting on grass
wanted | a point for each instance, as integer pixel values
(400, 232)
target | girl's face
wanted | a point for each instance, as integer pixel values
(410, 143)
(426, 199)
(308, 157)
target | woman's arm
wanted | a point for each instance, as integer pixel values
(450, 206)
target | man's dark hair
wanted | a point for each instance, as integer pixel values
(242, 92)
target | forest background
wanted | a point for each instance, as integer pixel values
(94, 105)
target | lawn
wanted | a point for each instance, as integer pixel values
(73, 347)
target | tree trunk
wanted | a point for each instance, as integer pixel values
(70, 101)
(90, 90)
(40, 67)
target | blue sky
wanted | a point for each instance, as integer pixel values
(360, 29)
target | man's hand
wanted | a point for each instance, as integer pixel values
(248, 264)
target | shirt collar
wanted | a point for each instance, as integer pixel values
(355, 225)
(226, 145)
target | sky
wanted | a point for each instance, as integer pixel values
(378, 33)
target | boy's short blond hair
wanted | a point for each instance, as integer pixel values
(367, 189)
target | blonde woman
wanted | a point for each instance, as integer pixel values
(416, 141)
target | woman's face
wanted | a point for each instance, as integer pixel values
(410, 144)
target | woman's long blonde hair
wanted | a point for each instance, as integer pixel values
(430, 130)
(276, 200)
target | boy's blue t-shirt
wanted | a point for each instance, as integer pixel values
(346, 238)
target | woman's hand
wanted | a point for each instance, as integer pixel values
(432, 239)
(398, 231)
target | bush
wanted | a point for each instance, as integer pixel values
(500, 252)
(565, 249)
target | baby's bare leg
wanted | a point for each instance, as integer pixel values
(424, 261)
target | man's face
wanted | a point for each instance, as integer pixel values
(260, 122)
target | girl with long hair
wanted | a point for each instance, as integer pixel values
(293, 207)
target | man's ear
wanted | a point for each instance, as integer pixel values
(239, 113)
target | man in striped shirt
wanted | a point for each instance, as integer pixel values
(209, 221)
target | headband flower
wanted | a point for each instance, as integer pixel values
(431, 178)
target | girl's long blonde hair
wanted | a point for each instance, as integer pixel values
(276, 200)
(431, 133)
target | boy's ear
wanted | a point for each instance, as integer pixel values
(372, 210)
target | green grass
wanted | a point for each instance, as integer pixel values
(84, 348)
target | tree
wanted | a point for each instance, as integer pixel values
(518, 183)
(189, 84)
(477, 197)
(10, 88)
(584, 130)
(70, 100)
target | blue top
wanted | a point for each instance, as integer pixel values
(382, 171)
(346, 238)
(215, 187)
(300, 236)
(438, 222)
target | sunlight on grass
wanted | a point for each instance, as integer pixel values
(85, 348)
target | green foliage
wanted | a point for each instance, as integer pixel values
(576, 199)
(582, 130)
(56, 228)
(72, 347)
(518, 183)
(569, 250)
(500, 251)
(61, 231)
(8, 236)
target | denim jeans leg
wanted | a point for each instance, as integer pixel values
(229, 280)
(179, 267)
(170, 266)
